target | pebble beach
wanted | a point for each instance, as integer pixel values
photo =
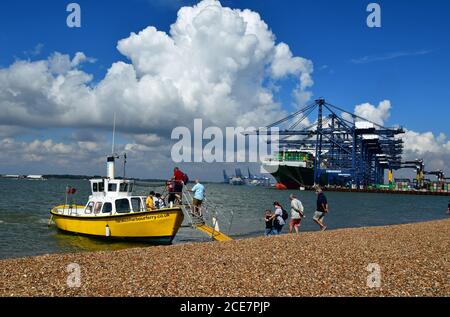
(413, 260)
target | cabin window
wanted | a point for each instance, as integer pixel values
(101, 187)
(107, 208)
(98, 207)
(130, 189)
(136, 203)
(89, 207)
(94, 187)
(122, 206)
(112, 187)
(124, 187)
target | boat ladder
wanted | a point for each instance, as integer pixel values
(200, 219)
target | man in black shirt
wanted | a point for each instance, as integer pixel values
(322, 208)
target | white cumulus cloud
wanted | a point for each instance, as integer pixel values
(214, 63)
(378, 114)
(433, 149)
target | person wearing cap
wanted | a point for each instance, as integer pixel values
(322, 208)
(296, 213)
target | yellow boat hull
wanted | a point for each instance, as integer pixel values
(159, 226)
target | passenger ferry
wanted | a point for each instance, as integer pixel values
(112, 211)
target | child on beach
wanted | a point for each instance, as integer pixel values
(278, 221)
(269, 223)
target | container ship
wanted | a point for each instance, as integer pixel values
(353, 153)
(292, 168)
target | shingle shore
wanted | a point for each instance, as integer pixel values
(413, 259)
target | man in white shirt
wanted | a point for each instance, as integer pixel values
(296, 213)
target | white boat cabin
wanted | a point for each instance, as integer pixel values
(113, 196)
(109, 197)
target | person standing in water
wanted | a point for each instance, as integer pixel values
(322, 208)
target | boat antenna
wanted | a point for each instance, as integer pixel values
(114, 134)
(124, 164)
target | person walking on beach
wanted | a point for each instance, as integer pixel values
(199, 196)
(322, 208)
(268, 219)
(296, 213)
(278, 221)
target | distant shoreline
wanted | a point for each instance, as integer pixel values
(70, 176)
(330, 263)
(87, 177)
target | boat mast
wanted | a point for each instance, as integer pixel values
(114, 135)
(111, 159)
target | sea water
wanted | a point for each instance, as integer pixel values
(25, 206)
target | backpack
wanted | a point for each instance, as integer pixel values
(185, 179)
(285, 215)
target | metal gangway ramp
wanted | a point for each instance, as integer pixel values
(209, 213)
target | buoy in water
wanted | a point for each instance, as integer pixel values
(280, 186)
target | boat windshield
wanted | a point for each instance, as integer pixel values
(136, 203)
(124, 187)
(112, 187)
(107, 208)
(123, 206)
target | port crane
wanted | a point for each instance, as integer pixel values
(418, 165)
(439, 174)
(343, 142)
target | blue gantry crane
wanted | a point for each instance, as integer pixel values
(345, 145)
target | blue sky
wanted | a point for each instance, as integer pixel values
(405, 61)
(330, 33)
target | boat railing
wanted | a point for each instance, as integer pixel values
(209, 213)
(70, 209)
(195, 215)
